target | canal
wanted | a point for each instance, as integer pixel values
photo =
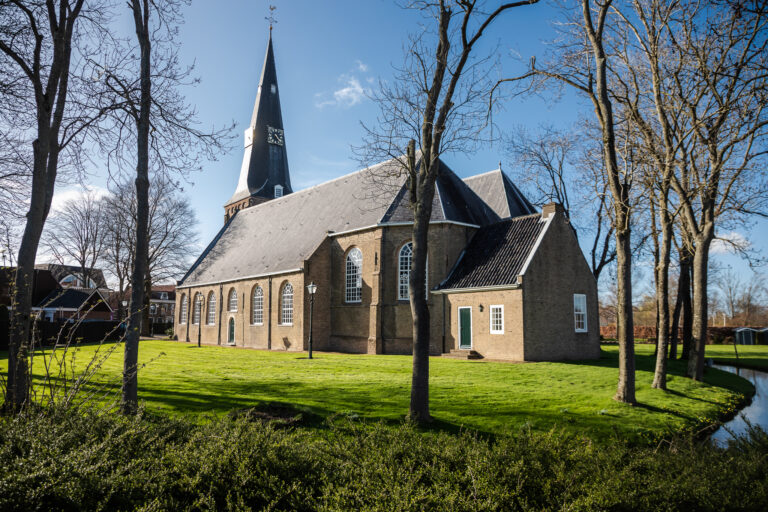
(755, 413)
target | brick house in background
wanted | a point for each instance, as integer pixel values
(162, 304)
(505, 281)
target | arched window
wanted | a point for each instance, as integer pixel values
(258, 306)
(404, 271)
(198, 309)
(286, 305)
(354, 285)
(232, 304)
(184, 309)
(404, 267)
(211, 308)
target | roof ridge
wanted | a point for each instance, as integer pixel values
(482, 174)
(304, 190)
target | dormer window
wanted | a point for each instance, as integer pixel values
(163, 295)
(273, 88)
(278, 191)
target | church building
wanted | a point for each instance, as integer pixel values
(505, 280)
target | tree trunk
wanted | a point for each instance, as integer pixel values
(625, 391)
(687, 309)
(131, 356)
(675, 329)
(700, 269)
(662, 299)
(419, 408)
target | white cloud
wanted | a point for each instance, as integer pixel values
(351, 93)
(62, 197)
(729, 243)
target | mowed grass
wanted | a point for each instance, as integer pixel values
(493, 397)
(749, 356)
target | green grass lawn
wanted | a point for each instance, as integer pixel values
(749, 356)
(493, 397)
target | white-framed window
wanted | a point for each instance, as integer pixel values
(211, 309)
(404, 261)
(497, 319)
(278, 191)
(163, 295)
(153, 309)
(286, 305)
(258, 306)
(232, 302)
(354, 282)
(198, 309)
(404, 267)
(183, 313)
(580, 312)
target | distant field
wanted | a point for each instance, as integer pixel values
(181, 379)
(751, 356)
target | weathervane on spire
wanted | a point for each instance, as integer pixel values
(271, 18)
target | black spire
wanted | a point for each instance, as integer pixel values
(265, 162)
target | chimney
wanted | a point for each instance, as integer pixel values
(551, 208)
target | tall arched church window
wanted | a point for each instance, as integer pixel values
(211, 308)
(232, 303)
(184, 309)
(198, 309)
(286, 305)
(354, 281)
(404, 266)
(258, 306)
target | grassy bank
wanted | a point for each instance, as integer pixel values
(71, 461)
(493, 397)
(749, 356)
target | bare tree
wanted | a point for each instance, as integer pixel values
(730, 287)
(152, 130)
(550, 165)
(724, 98)
(43, 103)
(435, 104)
(76, 233)
(581, 61)
(172, 233)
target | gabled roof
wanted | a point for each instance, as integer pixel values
(59, 272)
(498, 191)
(73, 298)
(278, 235)
(497, 254)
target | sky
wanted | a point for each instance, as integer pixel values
(329, 55)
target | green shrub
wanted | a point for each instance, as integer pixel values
(68, 461)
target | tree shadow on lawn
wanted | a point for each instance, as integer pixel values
(677, 368)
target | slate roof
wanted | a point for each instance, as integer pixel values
(264, 165)
(496, 254)
(497, 191)
(71, 298)
(278, 235)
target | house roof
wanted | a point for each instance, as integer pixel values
(72, 298)
(278, 235)
(497, 191)
(496, 254)
(59, 272)
(43, 284)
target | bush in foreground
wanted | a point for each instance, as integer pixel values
(67, 461)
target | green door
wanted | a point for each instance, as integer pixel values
(465, 327)
(231, 330)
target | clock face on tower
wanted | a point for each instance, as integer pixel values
(275, 136)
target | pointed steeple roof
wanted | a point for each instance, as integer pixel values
(265, 160)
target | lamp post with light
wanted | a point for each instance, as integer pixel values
(311, 288)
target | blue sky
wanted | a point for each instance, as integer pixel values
(328, 54)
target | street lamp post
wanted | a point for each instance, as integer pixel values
(311, 288)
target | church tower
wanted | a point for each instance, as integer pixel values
(264, 173)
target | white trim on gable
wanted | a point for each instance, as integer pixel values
(537, 244)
